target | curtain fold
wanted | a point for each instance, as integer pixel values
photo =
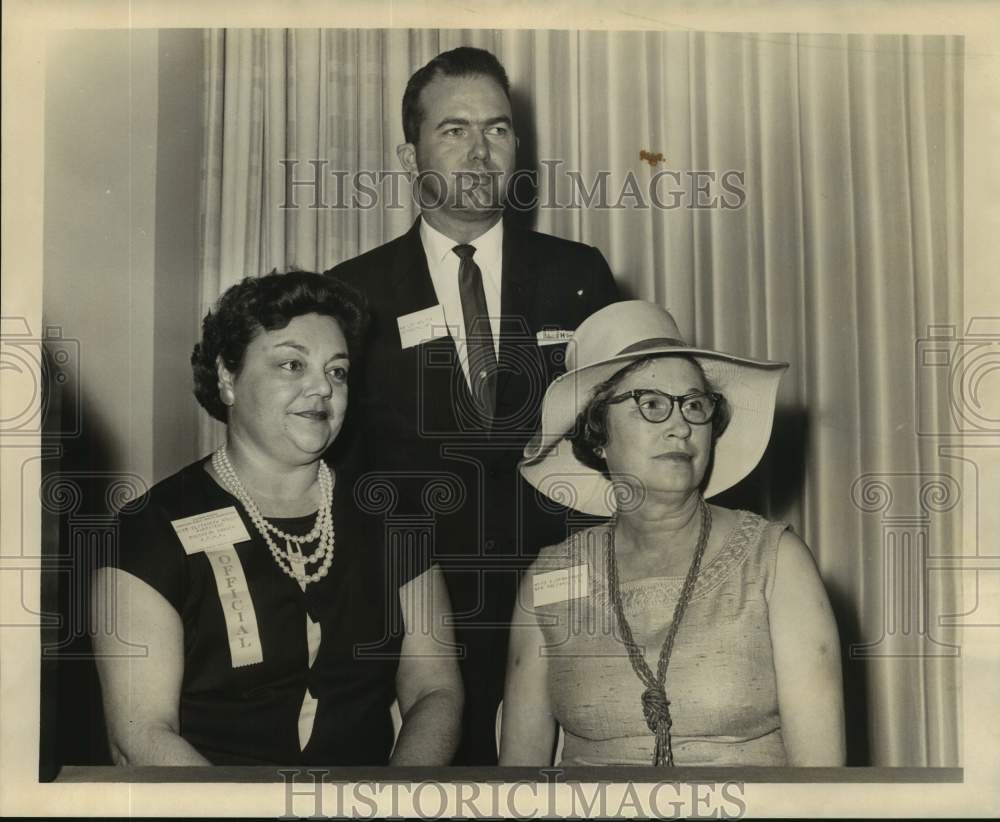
(842, 250)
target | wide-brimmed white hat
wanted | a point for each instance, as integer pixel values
(605, 343)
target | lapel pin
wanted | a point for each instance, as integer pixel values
(579, 293)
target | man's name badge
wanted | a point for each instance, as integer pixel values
(561, 585)
(210, 530)
(553, 336)
(422, 326)
(215, 534)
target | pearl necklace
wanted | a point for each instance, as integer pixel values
(291, 560)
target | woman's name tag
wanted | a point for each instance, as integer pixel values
(214, 534)
(210, 530)
(561, 585)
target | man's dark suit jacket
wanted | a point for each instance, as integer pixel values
(441, 485)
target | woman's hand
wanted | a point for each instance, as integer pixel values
(141, 694)
(528, 731)
(806, 659)
(428, 684)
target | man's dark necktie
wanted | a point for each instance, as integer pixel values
(478, 333)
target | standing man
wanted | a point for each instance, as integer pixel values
(470, 320)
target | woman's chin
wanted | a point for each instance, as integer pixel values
(313, 447)
(674, 485)
(673, 475)
(314, 437)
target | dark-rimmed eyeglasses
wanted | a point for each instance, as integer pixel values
(697, 408)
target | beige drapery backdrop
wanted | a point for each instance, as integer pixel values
(846, 250)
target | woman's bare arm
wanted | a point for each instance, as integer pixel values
(428, 684)
(528, 731)
(806, 659)
(141, 694)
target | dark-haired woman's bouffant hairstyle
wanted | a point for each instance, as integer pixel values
(269, 303)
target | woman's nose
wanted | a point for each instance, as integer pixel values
(319, 383)
(675, 425)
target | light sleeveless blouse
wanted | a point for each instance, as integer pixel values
(720, 681)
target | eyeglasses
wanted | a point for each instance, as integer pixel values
(656, 406)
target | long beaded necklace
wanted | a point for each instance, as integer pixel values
(655, 705)
(291, 560)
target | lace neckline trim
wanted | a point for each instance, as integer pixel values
(735, 550)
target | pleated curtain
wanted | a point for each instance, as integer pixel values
(843, 254)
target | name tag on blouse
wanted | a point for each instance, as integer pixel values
(210, 530)
(561, 585)
(214, 534)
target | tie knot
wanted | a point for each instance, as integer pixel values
(464, 251)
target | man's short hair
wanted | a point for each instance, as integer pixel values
(464, 61)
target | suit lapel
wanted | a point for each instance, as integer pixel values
(517, 290)
(414, 291)
(410, 278)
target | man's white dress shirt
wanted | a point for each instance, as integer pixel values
(442, 263)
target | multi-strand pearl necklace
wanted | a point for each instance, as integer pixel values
(291, 560)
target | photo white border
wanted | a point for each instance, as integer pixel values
(24, 26)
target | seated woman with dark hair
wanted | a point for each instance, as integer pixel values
(272, 635)
(680, 632)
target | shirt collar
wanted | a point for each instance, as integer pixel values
(438, 247)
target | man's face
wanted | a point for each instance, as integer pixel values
(465, 153)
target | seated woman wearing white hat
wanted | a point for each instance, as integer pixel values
(680, 632)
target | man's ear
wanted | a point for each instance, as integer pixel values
(407, 154)
(226, 379)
